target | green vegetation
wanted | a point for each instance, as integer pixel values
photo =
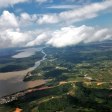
(74, 97)
(81, 81)
(77, 63)
(8, 64)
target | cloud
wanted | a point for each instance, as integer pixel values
(72, 35)
(18, 38)
(79, 14)
(14, 38)
(63, 7)
(10, 31)
(40, 39)
(11, 34)
(26, 19)
(68, 36)
(79, 1)
(8, 20)
(6, 3)
(43, 1)
(47, 19)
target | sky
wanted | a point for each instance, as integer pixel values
(58, 23)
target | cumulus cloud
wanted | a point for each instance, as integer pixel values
(40, 39)
(79, 14)
(18, 38)
(12, 36)
(68, 36)
(72, 35)
(26, 19)
(47, 19)
(8, 20)
(10, 32)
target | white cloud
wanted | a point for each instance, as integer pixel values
(12, 36)
(63, 7)
(17, 38)
(43, 1)
(5, 3)
(47, 19)
(68, 36)
(25, 16)
(79, 1)
(10, 32)
(99, 35)
(79, 14)
(72, 35)
(40, 39)
(25, 19)
(8, 20)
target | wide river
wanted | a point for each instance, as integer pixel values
(12, 82)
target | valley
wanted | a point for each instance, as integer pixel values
(79, 80)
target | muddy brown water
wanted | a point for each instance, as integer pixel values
(12, 82)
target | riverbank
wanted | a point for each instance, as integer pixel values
(12, 82)
(15, 96)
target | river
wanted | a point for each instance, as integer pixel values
(12, 82)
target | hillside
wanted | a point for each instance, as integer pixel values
(81, 81)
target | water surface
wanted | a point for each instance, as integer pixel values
(26, 52)
(11, 82)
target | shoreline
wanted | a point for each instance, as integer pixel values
(14, 96)
(14, 80)
(7, 75)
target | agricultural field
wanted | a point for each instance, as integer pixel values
(82, 62)
(80, 81)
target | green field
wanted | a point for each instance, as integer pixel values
(81, 81)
